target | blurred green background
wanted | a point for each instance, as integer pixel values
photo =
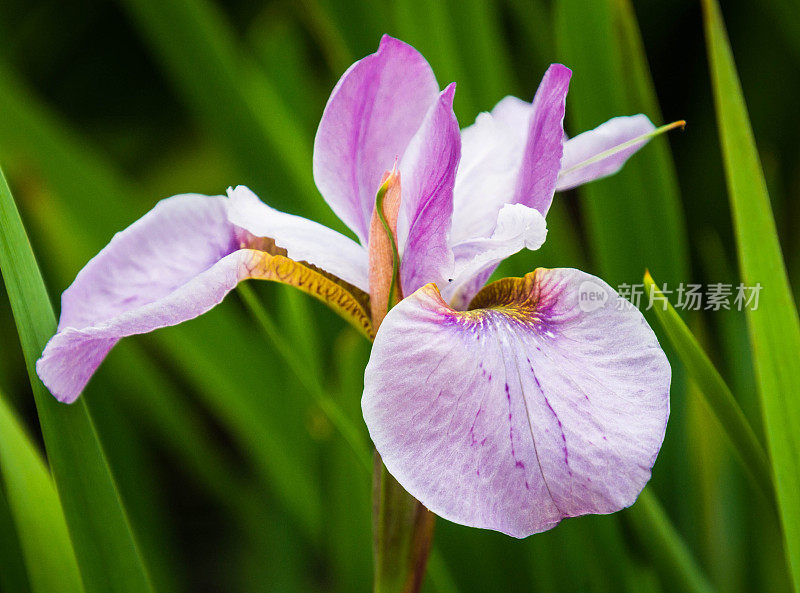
(233, 477)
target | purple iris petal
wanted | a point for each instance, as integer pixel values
(427, 175)
(541, 161)
(371, 116)
(173, 264)
(604, 137)
(303, 239)
(515, 416)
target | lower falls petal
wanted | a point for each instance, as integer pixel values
(175, 263)
(529, 408)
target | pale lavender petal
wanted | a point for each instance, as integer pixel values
(508, 157)
(513, 419)
(614, 132)
(372, 114)
(173, 264)
(179, 238)
(303, 239)
(518, 227)
(427, 173)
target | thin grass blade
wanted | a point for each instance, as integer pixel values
(716, 393)
(49, 557)
(665, 547)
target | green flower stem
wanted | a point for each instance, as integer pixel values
(402, 532)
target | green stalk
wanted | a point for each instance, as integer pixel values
(402, 531)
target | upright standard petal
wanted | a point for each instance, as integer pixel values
(510, 156)
(372, 114)
(491, 150)
(303, 239)
(578, 165)
(518, 227)
(541, 403)
(536, 181)
(428, 171)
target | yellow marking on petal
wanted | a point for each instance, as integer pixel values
(518, 293)
(516, 298)
(346, 300)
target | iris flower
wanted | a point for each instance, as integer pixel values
(509, 406)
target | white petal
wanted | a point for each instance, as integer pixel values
(303, 239)
(517, 227)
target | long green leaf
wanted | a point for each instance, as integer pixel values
(774, 326)
(429, 27)
(98, 526)
(13, 576)
(42, 529)
(716, 392)
(476, 25)
(310, 381)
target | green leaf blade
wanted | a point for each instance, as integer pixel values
(665, 546)
(600, 42)
(102, 538)
(774, 327)
(47, 550)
